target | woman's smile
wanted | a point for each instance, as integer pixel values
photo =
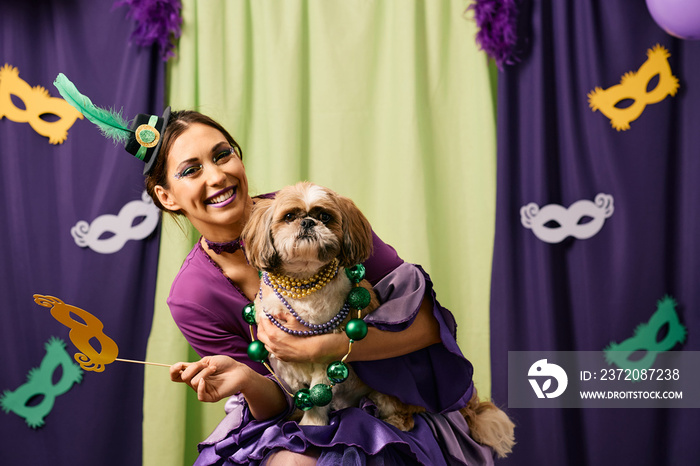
(222, 198)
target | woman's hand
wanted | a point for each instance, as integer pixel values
(318, 348)
(212, 377)
(217, 377)
(378, 344)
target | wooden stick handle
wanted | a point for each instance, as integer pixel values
(143, 362)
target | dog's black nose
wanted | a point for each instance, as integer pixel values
(308, 223)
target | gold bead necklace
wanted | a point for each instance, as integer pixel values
(298, 289)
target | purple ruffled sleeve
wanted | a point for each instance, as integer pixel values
(207, 309)
(437, 377)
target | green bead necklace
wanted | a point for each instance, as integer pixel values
(337, 371)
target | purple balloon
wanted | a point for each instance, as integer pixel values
(680, 18)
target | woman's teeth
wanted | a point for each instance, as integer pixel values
(221, 197)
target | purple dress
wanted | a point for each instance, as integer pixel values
(207, 308)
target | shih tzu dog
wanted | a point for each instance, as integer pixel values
(302, 241)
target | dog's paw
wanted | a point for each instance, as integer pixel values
(402, 421)
(392, 411)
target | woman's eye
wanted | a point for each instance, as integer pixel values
(324, 217)
(190, 171)
(222, 157)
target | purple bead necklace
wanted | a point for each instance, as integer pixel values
(315, 329)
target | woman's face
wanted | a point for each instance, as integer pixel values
(206, 182)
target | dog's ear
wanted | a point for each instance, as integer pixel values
(357, 234)
(257, 237)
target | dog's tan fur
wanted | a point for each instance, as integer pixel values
(275, 241)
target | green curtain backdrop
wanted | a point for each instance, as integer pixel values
(388, 102)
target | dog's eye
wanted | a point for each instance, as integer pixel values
(324, 217)
(289, 217)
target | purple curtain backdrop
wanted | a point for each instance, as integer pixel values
(45, 190)
(581, 294)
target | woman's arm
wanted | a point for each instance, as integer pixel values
(381, 344)
(378, 344)
(217, 377)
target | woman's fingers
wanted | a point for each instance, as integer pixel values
(202, 390)
(212, 377)
(176, 371)
(202, 385)
(189, 373)
(262, 332)
(201, 375)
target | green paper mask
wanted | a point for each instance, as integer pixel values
(40, 383)
(646, 338)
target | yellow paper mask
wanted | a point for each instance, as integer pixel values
(37, 102)
(81, 333)
(633, 86)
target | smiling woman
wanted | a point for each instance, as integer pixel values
(198, 169)
(200, 175)
(408, 351)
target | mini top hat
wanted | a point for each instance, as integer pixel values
(142, 138)
(145, 141)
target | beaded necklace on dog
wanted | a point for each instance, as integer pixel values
(298, 289)
(337, 371)
(314, 329)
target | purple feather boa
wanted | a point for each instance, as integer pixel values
(157, 21)
(497, 22)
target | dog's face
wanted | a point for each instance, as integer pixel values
(304, 228)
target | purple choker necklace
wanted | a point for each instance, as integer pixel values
(230, 247)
